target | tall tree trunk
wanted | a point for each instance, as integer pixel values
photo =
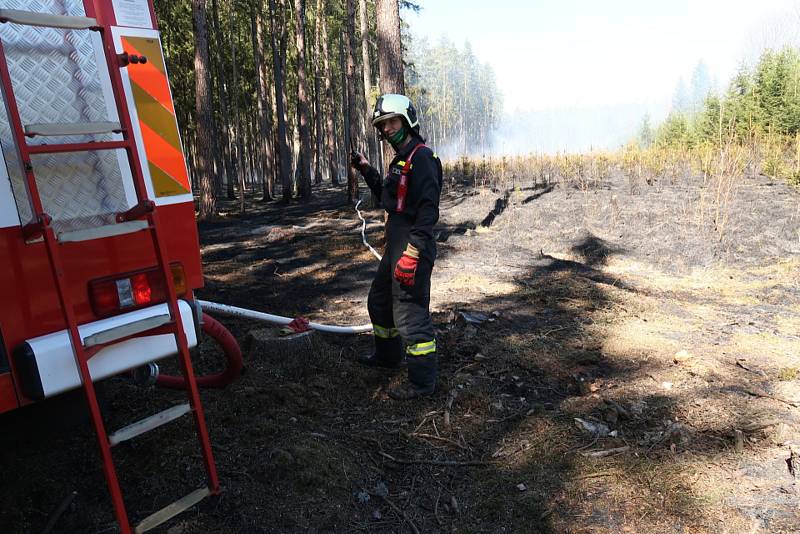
(367, 71)
(283, 147)
(368, 130)
(264, 108)
(231, 155)
(208, 197)
(253, 153)
(466, 111)
(294, 146)
(352, 100)
(191, 163)
(291, 123)
(344, 147)
(318, 113)
(225, 141)
(238, 134)
(330, 136)
(216, 133)
(304, 181)
(390, 55)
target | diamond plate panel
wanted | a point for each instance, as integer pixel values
(56, 80)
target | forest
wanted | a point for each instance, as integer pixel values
(760, 110)
(288, 86)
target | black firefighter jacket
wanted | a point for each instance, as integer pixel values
(421, 210)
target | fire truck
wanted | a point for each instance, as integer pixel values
(99, 251)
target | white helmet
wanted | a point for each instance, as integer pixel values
(393, 105)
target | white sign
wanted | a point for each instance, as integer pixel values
(134, 13)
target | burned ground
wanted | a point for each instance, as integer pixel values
(640, 315)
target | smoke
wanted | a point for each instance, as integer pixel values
(572, 130)
(561, 130)
(454, 150)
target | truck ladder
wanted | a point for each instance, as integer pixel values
(142, 217)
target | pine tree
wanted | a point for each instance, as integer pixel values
(208, 197)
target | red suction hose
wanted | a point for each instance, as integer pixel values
(233, 353)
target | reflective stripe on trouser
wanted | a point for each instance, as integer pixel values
(383, 332)
(421, 349)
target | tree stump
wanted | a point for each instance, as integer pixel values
(291, 357)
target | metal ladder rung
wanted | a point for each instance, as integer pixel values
(99, 232)
(47, 20)
(86, 128)
(125, 330)
(170, 511)
(148, 423)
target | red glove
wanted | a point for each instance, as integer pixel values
(406, 268)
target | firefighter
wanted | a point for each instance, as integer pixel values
(399, 298)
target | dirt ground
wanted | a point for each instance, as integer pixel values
(611, 361)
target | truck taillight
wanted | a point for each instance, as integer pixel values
(133, 290)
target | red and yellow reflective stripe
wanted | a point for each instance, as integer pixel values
(151, 97)
(150, 76)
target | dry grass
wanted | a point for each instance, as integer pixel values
(470, 281)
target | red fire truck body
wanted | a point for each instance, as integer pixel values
(60, 77)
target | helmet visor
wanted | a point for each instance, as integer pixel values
(378, 120)
(390, 105)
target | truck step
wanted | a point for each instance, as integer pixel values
(47, 20)
(99, 232)
(148, 423)
(168, 512)
(126, 330)
(83, 128)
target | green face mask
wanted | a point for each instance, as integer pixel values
(398, 136)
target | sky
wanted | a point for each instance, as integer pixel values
(605, 56)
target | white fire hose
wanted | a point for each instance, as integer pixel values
(363, 228)
(277, 319)
(235, 311)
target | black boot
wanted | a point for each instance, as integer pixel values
(422, 371)
(388, 353)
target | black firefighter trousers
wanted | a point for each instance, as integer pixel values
(401, 312)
